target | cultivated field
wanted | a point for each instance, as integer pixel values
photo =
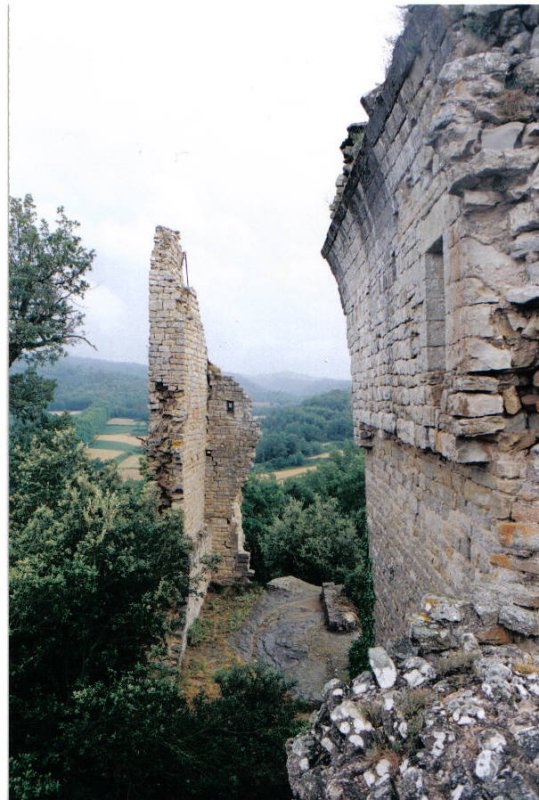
(120, 441)
(124, 438)
(103, 454)
(293, 472)
(122, 435)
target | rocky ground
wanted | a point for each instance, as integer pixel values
(286, 629)
(438, 716)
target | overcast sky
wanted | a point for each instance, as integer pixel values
(219, 119)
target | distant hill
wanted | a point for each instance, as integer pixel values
(124, 385)
(295, 384)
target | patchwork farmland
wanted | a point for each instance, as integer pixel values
(120, 440)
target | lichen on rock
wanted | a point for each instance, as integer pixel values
(462, 722)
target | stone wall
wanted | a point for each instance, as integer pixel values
(202, 435)
(434, 244)
(232, 437)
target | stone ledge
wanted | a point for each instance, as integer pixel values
(338, 611)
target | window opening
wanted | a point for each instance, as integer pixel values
(435, 306)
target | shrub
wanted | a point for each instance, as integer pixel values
(316, 544)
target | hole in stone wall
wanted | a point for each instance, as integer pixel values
(230, 406)
(435, 306)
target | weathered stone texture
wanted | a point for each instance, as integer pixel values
(445, 712)
(434, 245)
(202, 435)
(232, 436)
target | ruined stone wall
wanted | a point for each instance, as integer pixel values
(434, 244)
(178, 400)
(232, 437)
(198, 452)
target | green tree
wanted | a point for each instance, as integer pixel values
(263, 501)
(94, 570)
(314, 526)
(342, 477)
(136, 737)
(29, 394)
(248, 727)
(317, 543)
(46, 275)
(292, 432)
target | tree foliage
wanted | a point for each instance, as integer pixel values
(94, 572)
(316, 516)
(46, 276)
(30, 394)
(292, 432)
(264, 500)
(94, 568)
(91, 421)
(314, 527)
(316, 543)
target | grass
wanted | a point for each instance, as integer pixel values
(104, 454)
(526, 667)
(414, 700)
(208, 643)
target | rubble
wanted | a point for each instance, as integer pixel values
(462, 722)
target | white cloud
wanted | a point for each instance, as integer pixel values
(222, 120)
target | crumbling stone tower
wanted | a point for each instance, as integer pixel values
(202, 435)
(434, 243)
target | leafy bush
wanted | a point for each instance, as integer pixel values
(342, 476)
(94, 571)
(263, 500)
(314, 527)
(316, 544)
(136, 737)
(362, 594)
